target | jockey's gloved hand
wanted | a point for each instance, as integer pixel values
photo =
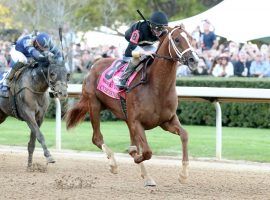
(42, 58)
(39, 57)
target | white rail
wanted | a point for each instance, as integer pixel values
(210, 94)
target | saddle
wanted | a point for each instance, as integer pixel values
(15, 78)
(114, 71)
(106, 82)
(11, 91)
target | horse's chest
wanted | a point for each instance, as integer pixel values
(35, 101)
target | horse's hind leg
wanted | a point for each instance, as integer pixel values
(97, 138)
(175, 127)
(3, 117)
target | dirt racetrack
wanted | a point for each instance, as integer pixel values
(86, 176)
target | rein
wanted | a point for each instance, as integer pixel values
(167, 57)
(47, 80)
(176, 50)
(37, 92)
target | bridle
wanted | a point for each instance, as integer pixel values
(179, 54)
(49, 83)
(46, 78)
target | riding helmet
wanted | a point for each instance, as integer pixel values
(43, 40)
(159, 18)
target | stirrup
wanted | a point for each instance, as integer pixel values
(121, 87)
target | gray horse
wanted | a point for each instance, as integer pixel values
(30, 102)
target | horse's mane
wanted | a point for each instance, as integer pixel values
(48, 63)
(181, 26)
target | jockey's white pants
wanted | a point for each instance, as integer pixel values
(152, 48)
(17, 56)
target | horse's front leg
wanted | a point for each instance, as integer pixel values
(32, 144)
(138, 139)
(175, 127)
(136, 142)
(31, 122)
(31, 148)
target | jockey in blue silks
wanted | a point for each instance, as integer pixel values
(31, 47)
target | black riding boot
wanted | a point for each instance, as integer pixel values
(127, 73)
(13, 71)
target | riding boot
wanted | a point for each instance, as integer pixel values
(13, 71)
(127, 73)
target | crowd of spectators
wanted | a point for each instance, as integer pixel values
(217, 59)
(228, 58)
(84, 57)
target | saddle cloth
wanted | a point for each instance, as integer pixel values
(112, 74)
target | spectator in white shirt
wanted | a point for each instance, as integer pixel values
(224, 68)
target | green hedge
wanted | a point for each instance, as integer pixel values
(203, 113)
(233, 82)
(233, 114)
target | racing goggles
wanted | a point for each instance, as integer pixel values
(157, 28)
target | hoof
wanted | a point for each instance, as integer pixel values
(138, 159)
(37, 167)
(132, 151)
(50, 159)
(183, 178)
(149, 183)
(113, 169)
(29, 168)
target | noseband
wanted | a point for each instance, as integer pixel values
(178, 53)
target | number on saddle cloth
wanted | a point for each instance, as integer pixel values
(106, 82)
(114, 68)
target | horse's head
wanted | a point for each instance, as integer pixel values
(180, 47)
(57, 78)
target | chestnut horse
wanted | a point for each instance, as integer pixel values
(148, 106)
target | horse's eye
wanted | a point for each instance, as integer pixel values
(53, 76)
(176, 40)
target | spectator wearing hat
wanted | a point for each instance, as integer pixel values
(224, 68)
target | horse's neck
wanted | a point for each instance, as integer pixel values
(163, 72)
(39, 79)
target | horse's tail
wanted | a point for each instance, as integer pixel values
(77, 113)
